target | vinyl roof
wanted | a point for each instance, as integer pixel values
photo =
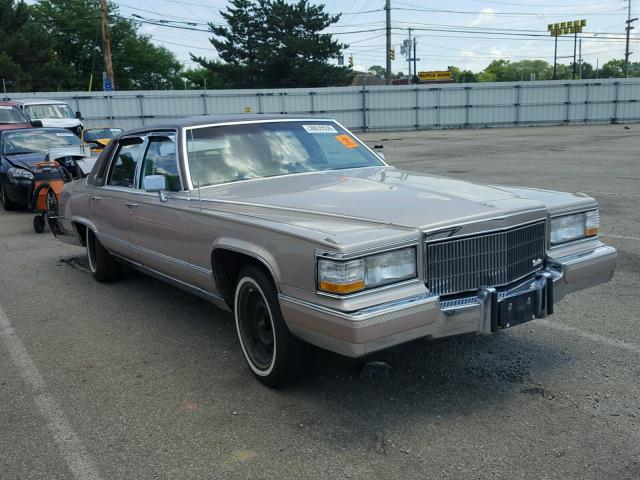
(215, 119)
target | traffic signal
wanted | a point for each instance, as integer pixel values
(392, 53)
(351, 61)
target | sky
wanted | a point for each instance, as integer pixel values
(465, 33)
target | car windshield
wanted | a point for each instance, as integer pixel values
(100, 133)
(258, 150)
(9, 114)
(57, 110)
(36, 141)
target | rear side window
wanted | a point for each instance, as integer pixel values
(123, 168)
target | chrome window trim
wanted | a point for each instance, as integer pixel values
(113, 156)
(283, 120)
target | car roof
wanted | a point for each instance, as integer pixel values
(39, 101)
(219, 119)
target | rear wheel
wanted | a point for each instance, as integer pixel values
(273, 354)
(6, 203)
(103, 266)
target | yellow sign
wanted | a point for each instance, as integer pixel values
(566, 28)
(442, 76)
(247, 109)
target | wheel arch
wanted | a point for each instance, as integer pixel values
(228, 260)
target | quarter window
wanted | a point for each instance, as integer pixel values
(123, 170)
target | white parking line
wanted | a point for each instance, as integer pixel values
(612, 342)
(70, 445)
(623, 237)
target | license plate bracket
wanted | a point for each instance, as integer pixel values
(518, 309)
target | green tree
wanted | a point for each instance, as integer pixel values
(378, 71)
(463, 76)
(272, 43)
(27, 61)
(73, 28)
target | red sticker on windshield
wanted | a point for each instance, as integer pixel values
(347, 141)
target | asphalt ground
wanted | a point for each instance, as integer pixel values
(139, 380)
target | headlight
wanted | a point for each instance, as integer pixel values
(351, 276)
(575, 226)
(19, 173)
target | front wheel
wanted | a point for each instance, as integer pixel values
(273, 354)
(103, 266)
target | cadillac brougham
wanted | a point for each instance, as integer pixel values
(308, 236)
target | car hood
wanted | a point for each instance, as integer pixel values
(59, 122)
(375, 195)
(26, 160)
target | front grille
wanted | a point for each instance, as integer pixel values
(487, 260)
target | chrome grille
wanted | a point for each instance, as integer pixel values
(486, 260)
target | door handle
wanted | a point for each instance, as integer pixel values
(131, 205)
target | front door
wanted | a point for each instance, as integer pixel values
(157, 225)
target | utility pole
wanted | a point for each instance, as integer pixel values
(409, 56)
(106, 45)
(575, 44)
(555, 58)
(580, 60)
(387, 75)
(415, 59)
(628, 29)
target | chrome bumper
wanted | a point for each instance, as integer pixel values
(355, 334)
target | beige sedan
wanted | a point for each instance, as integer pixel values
(308, 236)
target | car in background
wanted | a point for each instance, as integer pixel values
(52, 113)
(98, 138)
(11, 116)
(308, 236)
(21, 153)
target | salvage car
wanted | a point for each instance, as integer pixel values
(22, 154)
(309, 237)
(12, 117)
(98, 138)
(51, 113)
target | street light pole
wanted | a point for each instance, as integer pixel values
(555, 59)
(628, 29)
(387, 75)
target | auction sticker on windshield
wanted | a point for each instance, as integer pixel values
(319, 129)
(347, 141)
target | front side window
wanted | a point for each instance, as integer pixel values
(259, 150)
(123, 169)
(56, 110)
(160, 159)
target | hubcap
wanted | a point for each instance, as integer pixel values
(255, 326)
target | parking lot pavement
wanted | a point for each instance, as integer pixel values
(138, 380)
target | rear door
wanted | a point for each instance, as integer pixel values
(110, 205)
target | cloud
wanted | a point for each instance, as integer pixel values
(486, 17)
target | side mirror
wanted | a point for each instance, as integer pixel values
(155, 183)
(36, 123)
(79, 115)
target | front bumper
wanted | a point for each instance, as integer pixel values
(359, 333)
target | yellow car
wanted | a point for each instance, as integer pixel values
(98, 138)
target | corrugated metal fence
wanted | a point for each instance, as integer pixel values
(472, 105)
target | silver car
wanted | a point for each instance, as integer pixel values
(308, 236)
